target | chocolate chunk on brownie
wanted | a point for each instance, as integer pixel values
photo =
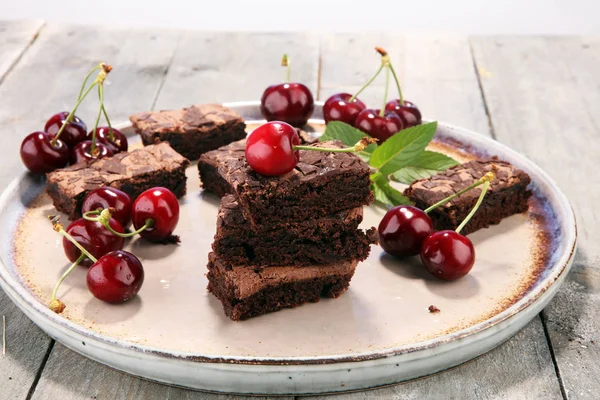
(246, 292)
(132, 172)
(321, 240)
(190, 131)
(209, 162)
(508, 194)
(322, 183)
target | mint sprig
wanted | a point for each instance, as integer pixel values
(402, 156)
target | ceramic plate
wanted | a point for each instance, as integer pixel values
(379, 332)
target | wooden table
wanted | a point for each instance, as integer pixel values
(539, 95)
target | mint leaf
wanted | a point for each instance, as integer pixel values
(347, 134)
(399, 150)
(426, 164)
(386, 194)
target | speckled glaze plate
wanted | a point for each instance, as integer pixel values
(380, 332)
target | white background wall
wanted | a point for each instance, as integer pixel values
(460, 16)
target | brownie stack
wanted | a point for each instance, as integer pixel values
(283, 241)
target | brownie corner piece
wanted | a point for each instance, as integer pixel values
(508, 194)
(208, 166)
(191, 131)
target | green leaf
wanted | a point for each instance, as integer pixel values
(401, 149)
(426, 164)
(347, 134)
(386, 194)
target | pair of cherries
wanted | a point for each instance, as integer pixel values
(116, 275)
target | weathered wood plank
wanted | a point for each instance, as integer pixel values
(438, 74)
(70, 376)
(224, 67)
(45, 81)
(543, 96)
(15, 37)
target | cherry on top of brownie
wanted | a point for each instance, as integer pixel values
(320, 184)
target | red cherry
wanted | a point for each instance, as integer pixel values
(269, 149)
(161, 206)
(408, 113)
(40, 156)
(83, 152)
(403, 230)
(108, 197)
(102, 134)
(289, 102)
(448, 255)
(370, 122)
(94, 237)
(73, 133)
(116, 277)
(338, 108)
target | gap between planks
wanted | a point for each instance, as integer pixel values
(22, 53)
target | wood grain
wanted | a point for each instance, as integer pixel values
(543, 96)
(440, 76)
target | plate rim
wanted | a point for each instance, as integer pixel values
(559, 268)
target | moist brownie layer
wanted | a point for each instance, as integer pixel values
(316, 241)
(191, 131)
(132, 172)
(321, 184)
(249, 291)
(507, 195)
(209, 163)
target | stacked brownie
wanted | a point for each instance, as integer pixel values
(286, 240)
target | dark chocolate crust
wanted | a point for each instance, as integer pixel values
(508, 194)
(316, 241)
(132, 172)
(322, 183)
(191, 131)
(228, 283)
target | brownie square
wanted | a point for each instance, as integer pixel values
(209, 162)
(132, 172)
(322, 240)
(322, 183)
(191, 131)
(246, 292)
(508, 194)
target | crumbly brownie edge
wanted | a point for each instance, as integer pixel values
(210, 179)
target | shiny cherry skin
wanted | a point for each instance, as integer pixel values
(39, 155)
(161, 206)
(409, 113)
(108, 197)
(117, 145)
(339, 108)
(73, 133)
(116, 277)
(288, 102)
(370, 122)
(448, 255)
(403, 230)
(269, 149)
(83, 152)
(94, 237)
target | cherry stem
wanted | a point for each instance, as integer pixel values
(104, 217)
(101, 97)
(366, 84)
(65, 274)
(362, 144)
(72, 113)
(59, 228)
(484, 190)
(385, 92)
(86, 79)
(111, 135)
(285, 62)
(400, 98)
(486, 178)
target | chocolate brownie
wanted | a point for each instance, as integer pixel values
(315, 241)
(508, 194)
(132, 172)
(209, 162)
(322, 183)
(246, 292)
(191, 131)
